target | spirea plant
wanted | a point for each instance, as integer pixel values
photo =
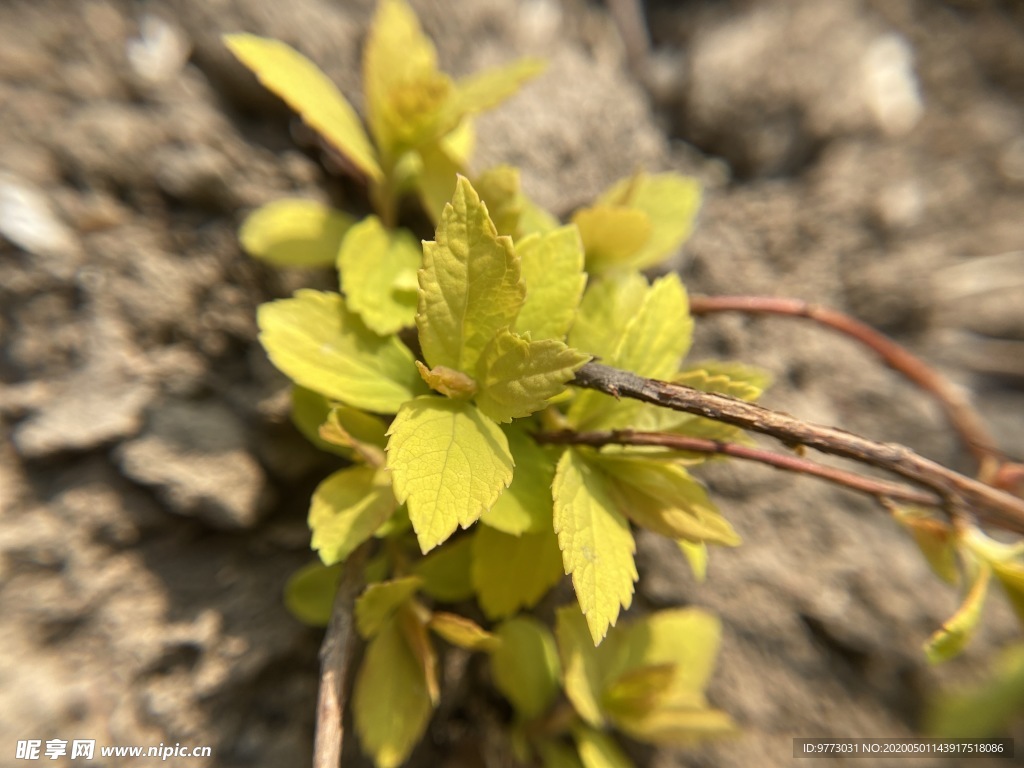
(439, 373)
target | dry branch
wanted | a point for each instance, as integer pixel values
(960, 495)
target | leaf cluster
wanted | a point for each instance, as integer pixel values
(429, 371)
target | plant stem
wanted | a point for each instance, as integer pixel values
(961, 495)
(335, 655)
(961, 414)
(879, 489)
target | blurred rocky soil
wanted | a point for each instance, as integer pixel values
(867, 154)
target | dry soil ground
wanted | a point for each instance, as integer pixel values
(867, 154)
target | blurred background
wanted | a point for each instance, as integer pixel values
(866, 154)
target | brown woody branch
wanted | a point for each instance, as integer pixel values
(881, 490)
(960, 495)
(335, 657)
(961, 414)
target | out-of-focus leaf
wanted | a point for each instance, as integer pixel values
(460, 631)
(552, 269)
(526, 505)
(309, 92)
(525, 665)
(378, 269)
(294, 232)
(986, 710)
(391, 701)
(309, 594)
(347, 508)
(598, 749)
(612, 236)
(957, 631)
(380, 601)
(513, 572)
(935, 539)
(671, 202)
(445, 571)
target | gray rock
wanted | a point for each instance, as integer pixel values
(823, 70)
(90, 409)
(194, 455)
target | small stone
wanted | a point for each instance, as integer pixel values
(28, 220)
(159, 52)
(85, 413)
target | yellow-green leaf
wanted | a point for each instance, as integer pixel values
(671, 202)
(638, 690)
(498, 187)
(346, 509)
(664, 498)
(391, 700)
(607, 307)
(309, 92)
(612, 236)
(552, 269)
(294, 232)
(678, 726)
(1011, 577)
(518, 377)
(598, 749)
(957, 630)
(376, 265)
(986, 710)
(379, 602)
(935, 539)
(412, 619)
(652, 343)
(513, 572)
(395, 525)
(309, 594)
(583, 665)
(687, 638)
(743, 382)
(696, 553)
(402, 87)
(556, 754)
(525, 665)
(458, 144)
(659, 336)
(460, 631)
(534, 220)
(438, 174)
(313, 339)
(449, 463)
(469, 284)
(485, 90)
(445, 571)
(309, 411)
(597, 545)
(525, 506)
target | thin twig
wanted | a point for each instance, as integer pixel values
(335, 655)
(960, 494)
(961, 414)
(879, 489)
